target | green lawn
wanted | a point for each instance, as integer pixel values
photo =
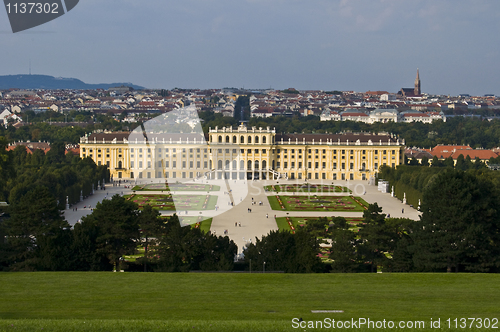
(317, 203)
(197, 222)
(283, 224)
(176, 187)
(235, 302)
(170, 202)
(307, 187)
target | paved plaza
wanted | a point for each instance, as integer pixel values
(235, 199)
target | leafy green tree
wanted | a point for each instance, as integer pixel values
(436, 162)
(461, 163)
(56, 154)
(448, 162)
(86, 256)
(479, 164)
(35, 224)
(318, 226)
(343, 251)
(171, 248)
(374, 236)
(399, 231)
(152, 228)
(218, 252)
(53, 253)
(468, 163)
(284, 251)
(184, 249)
(118, 230)
(459, 227)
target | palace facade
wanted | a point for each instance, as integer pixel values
(243, 153)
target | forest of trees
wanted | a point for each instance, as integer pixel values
(39, 239)
(64, 175)
(459, 231)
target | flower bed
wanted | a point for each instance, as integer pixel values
(315, 203)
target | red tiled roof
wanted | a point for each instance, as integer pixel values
(481, 154)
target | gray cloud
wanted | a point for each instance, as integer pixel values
(318, 44)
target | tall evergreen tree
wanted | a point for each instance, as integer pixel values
(152, 228)
(374, 237)
(459, 227)
(35, 223)
(116, 220)
(343, 251)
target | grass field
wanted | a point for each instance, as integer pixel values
(235, 302)
(307, 187)
(283, 224)
(170, 202)
(176, 187)
(317, 203)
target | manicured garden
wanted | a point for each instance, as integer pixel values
(306, 188)
(169, 202)
(176, 187)
(77, 301)
(317, 203)
(292, 223)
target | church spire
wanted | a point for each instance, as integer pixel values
(417, 90)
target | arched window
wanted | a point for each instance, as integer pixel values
(242, 164)
(227, 164)
(363, 166)
(119, 165)
(256, 164)
(227, 139)
(249, 165)
(234, 139)
(242, 139)
(219, 164)
(256, 139)
(264, 140)
(220, 138)
(264, 164)
(249, 140)
(234, 164)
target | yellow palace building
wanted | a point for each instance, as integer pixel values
(243, 153)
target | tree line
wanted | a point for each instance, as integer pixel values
(36, 237)
(67, 176)
(459, 231)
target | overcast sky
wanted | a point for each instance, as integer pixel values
(355, 45)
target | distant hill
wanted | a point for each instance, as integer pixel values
(50, 82)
